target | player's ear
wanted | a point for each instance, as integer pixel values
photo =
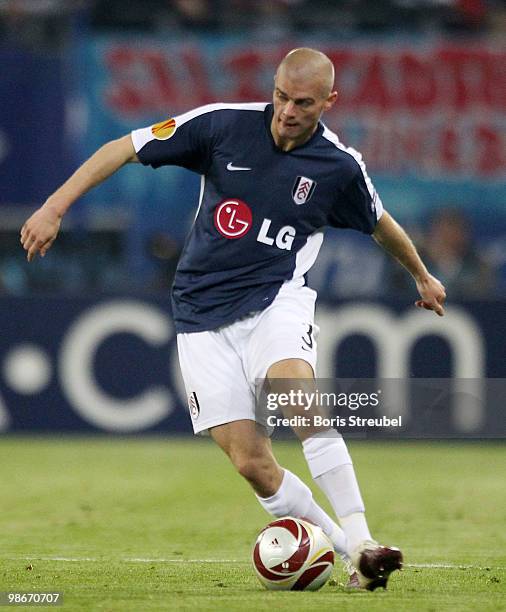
(330, 101)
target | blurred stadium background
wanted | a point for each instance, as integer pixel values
(87, 343)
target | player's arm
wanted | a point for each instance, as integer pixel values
(40, 230)
(391, 237)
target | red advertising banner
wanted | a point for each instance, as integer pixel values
(435, 109)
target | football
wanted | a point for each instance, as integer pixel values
(291, 554)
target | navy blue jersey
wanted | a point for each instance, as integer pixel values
(262, 211)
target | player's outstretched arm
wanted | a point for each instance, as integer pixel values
(391, 237)
(40, 230)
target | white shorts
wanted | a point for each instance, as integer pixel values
(220, 367)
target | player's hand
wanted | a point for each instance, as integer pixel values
(40, 231)
(432, 293)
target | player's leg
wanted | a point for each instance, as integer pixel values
(332, 469)
(278, 490)
(221, 401)
(328, 458)
(286, 333)
(249, 449)
(283, 348)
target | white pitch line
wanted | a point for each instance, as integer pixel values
(181, 560)
(236, 561)
(125, 560)
(451, 566)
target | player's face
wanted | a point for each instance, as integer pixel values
(298, 107)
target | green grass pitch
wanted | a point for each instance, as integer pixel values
(165, 524)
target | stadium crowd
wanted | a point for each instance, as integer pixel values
(49, 22)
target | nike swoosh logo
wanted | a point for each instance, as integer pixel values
(232, 168)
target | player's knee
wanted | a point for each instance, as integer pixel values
(260, 471)
(249, 466)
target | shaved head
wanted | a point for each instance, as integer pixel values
(307, 65)
(303, 90)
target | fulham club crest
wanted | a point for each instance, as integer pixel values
(193, 404)
(302, 189)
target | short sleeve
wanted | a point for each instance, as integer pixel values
(185, 140)
(358, 205)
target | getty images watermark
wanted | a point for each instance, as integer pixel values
(319, 409)
(393, 408)
(323, 404)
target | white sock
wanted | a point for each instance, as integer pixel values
(356, 529)
(294, 498)
(332, 469)
(341, 487)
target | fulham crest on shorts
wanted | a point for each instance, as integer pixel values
(302, 189)
(193, 404)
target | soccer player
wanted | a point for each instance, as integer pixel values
(273, 176)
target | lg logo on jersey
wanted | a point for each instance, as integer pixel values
(284, 237)
(233, 219)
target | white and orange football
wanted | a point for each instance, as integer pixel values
(291, 554)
